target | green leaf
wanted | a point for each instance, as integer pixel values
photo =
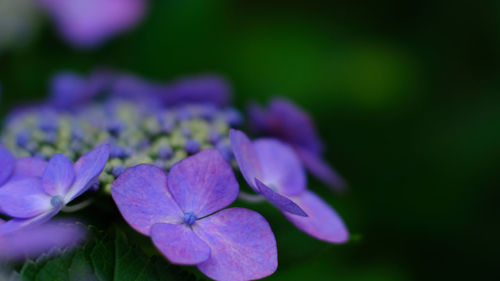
(105, 258)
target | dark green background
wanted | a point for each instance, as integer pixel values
(406, 95)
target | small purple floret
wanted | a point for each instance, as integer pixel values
(189, 218)
(192, 146)
(165, 152)
(118, 170)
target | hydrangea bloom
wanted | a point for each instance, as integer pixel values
(151, 129)
(133, 118)
(182, 213)
(284, 120)
(87, 23)
(31, 200)
(35, 240)
(272, 169)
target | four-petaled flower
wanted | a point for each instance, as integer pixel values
(285, 121)
(273, 170)
(182, 213)
(30, 199)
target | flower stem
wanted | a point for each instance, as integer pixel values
(251, 198)
(77, 207)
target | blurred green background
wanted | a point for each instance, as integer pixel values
(405, 94)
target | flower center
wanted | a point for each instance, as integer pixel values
(189, 218)
(56, 201)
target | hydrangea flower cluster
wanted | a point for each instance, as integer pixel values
(136, 128)
(167, 153)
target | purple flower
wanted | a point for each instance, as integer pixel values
(206, 89)
(88, 23)
(33, 200)
(273, 170)
(182, 213)
(35, 240)
(285, 121)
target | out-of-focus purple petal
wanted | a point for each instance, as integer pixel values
(143, 199)
(322, 221)
(281, 202)
(132, 87)
(209, 89)
(29, 167)
(286, 121)
(246, 156)
(281, 168)
(13, 225)
(24, 198)
(296, 125)
(7, 164)
(59, 175)
(242, 243)
(321, 169)
(87, 23)
(179, 244)
(33, 241)
(66, 88)
(203, 183)
(259, 119)
(87, 170)
(69, 90)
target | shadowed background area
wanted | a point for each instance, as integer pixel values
(406, 96)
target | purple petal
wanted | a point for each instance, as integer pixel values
(87, 23)
(286, 121)
(281, 168)
(69, 90)
(87, 170)
(296, 125)
(246, 156)
(143, 199)
(242, 243)
(280, 201)
(59, 175)
(203, 183)
(66, 89)
(135, 88)
(209, 89)
(179, 244)
(16, 224)
(322, 221)
(29, 167)
(24, 198)
(7, 164)
(321, 170)
(34, 241)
